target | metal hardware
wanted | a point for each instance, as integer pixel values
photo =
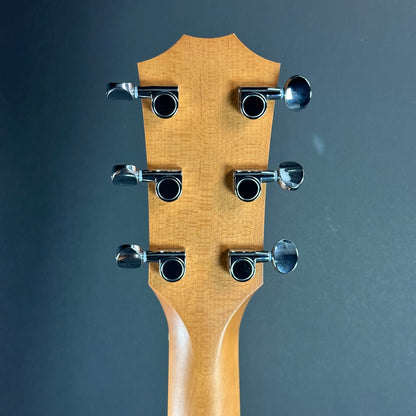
(168, 182)
(247, 183)
(164, 99)
(296, 94)
(172, 264)
(242, 264)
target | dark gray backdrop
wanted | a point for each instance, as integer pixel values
(81, 337)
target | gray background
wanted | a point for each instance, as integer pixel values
(81, 337)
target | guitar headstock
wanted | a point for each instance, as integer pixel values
(208, 124)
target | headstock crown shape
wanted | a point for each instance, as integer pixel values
(215, 144)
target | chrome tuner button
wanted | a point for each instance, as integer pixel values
(290, 176)
(172, 264)
(129, 256)
(165, 100)
(168, 182)
(284, 256)
(242, 264)
(125, 175)
(296, 94)
(247, 183)
(125, 91)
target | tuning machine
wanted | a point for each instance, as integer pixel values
(165, 100)
(172, 264)
(242, 264)
(247, 183)
(296, 94)
(168, 182)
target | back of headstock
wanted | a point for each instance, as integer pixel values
(207, 142)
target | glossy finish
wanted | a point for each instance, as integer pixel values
(242, 264)
(125, 175)
(284, 256)
(290, 176)
(165, 100)
(168, 182)
(296, 94)
(247, 183)
(124, 91)
(172, 264)
(129, 256)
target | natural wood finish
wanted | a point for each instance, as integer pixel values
(208, 138)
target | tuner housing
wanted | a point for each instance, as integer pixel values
(172, 264)
(296, 94)
(165, 100)
(168, 182)
(283, 255)
(247, 183)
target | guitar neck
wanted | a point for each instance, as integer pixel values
(203, 365)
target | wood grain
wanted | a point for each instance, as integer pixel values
(207, 139)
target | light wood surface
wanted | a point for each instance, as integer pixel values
(207, 139)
